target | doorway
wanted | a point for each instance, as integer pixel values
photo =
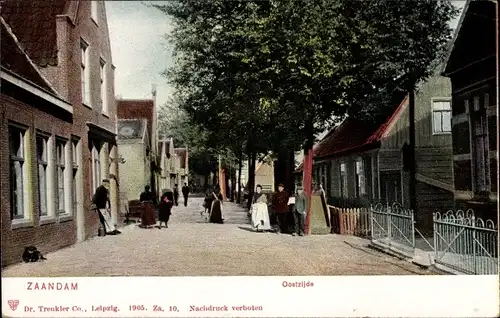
(390, 187)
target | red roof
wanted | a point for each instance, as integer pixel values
(34, 24)
(182, 153)
(16, 61)
(354, 134)
(135, 109)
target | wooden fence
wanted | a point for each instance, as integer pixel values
(350, 221)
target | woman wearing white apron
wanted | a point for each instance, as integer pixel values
(260, 214)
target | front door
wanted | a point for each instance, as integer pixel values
(390, 187)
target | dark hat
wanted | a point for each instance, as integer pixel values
(281, 185)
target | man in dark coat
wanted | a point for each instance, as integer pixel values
(280, 208)
(176, 194)
(185, 193)
(103, 206)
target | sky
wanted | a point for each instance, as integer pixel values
(141, 52)
(139, 49)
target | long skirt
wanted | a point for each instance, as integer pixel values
(148, 214)
(260, 217)
(216, 212)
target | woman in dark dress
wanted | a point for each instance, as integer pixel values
(216, 211)
(165, 208)
(148, 217)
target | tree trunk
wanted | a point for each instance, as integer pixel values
(233, 184)
(205, 186)
(251, 178)
(215, 178)
(290, 168)
(240, 168)
(283, 170)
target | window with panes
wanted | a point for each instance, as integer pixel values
(61, 175)
(343, 180)
(42, 158)
(75, 162)
(18, 173)
(441, 116)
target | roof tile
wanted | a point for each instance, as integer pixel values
(15, 60)
(34, 24)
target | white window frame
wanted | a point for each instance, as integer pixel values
(75, 176)
(21, 157)
(50, 185)
(94, 12)
(344, 179)
(441, 113)
(104, 87)
(85, 72)
(63, 177)
(42, 164)
(360, 177)
(96, 169)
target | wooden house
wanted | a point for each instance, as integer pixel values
(361, 163)
(471, 68)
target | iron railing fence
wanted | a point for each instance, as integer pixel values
(393, 226)
(466, 243)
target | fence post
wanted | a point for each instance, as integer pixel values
(388, 215)
(474, 243)
(435, 234)
(341, 219)
(412, 229)
(371, 222)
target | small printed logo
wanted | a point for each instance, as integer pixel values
(13, 304)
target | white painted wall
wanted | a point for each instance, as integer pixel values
(134, 174)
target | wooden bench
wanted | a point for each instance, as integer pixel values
(134, 210)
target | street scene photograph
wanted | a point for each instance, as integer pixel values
(249, 138)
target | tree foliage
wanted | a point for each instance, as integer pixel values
(271, 74)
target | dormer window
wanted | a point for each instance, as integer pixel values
(93, 9)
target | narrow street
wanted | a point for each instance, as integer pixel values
(192, 247)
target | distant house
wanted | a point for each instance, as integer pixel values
(168, 174)
(264, 175)
(135, 147)
(182, 164)
(137, 111)
(67, 132)
(367, 162)
(471, 68)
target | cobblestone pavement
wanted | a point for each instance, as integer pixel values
(192, 247)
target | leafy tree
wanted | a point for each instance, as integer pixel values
(274, 73)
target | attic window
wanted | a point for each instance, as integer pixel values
(93, 9)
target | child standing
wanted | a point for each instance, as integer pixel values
(165, 208)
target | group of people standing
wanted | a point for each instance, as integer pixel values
(273, 215)
(167, 201)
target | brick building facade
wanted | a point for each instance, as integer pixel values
(66, 44)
